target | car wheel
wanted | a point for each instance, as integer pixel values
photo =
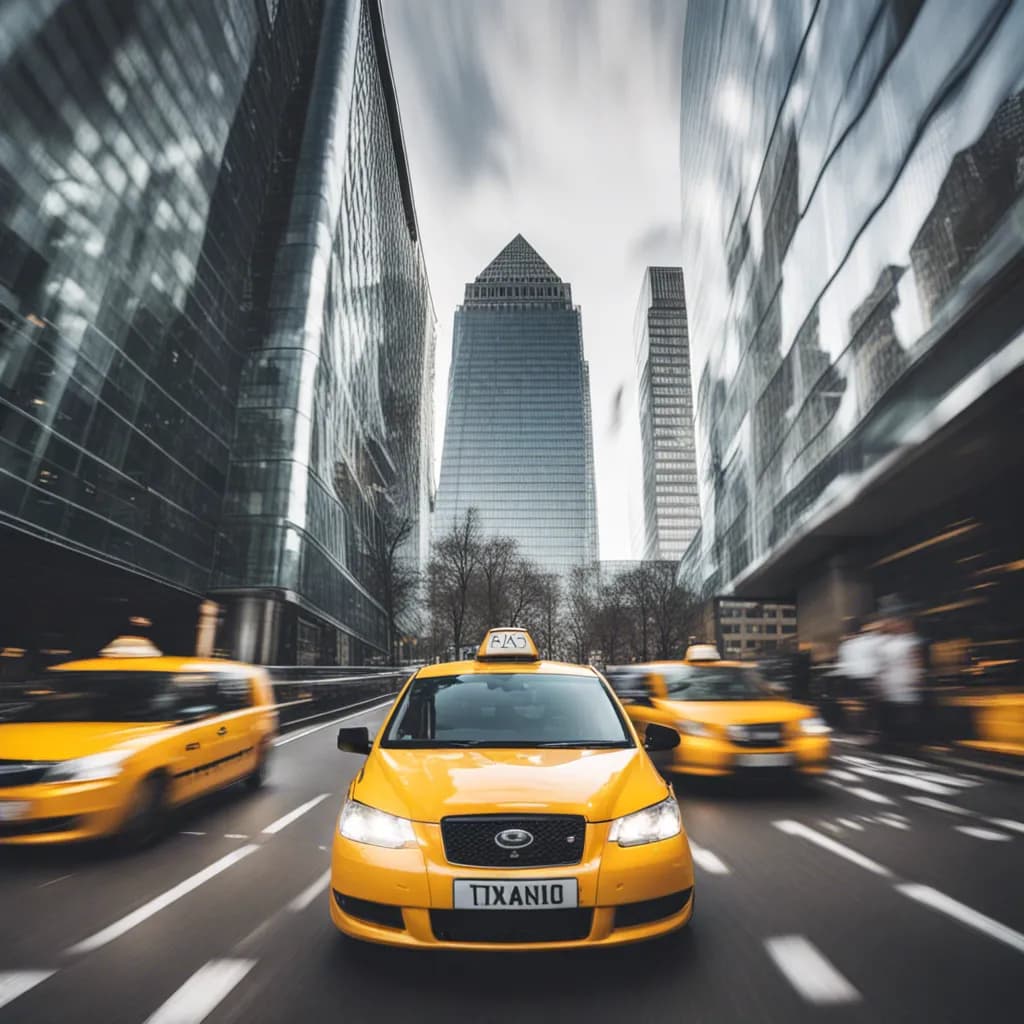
(147, 818)
(258, 776)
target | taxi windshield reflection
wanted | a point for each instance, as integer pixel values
(507, 710)
(686, 682)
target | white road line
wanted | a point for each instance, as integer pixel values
(17, 983)
(1007, 823)
(972, 918)
(286, 820)
(830, 825)
(709, 861)
(796, 828)
(938, 805)
(234, 835)
(158, 903)
(809, 972)
(53, 881)
(893, 823)
(983, 833)
(292, 737)
(838, 773)
(850, 823)
(311, 892)
(198, 997)
(910, 781)
(906, 760)
(869, 794)
(192, 833)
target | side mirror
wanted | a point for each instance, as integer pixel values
(354, 741)
(660, 737)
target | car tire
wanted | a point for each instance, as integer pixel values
(258, 776)
(147, 819)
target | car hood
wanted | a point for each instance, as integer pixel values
(738, 712)
(427, 785)
(59, 741)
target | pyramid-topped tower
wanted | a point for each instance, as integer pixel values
(519, 275)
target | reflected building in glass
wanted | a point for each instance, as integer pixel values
(518, 443)
(216, 332)
(853, 194)
(662, 348)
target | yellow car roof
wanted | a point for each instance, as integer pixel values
(164, 663)
(460, 668)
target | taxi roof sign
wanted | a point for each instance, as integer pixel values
(509, 643)
(130, 647)
(702, 652)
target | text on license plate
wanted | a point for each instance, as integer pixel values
(525, 894)
(764, 760)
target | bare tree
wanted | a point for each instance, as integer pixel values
(670, 610)
(579, 612)
(545, 614)
(612, 618)
(499, 565)
(452, 573)
(395, 577)
(638, 590)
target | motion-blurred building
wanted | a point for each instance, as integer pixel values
(518, 444)
(853, 188)
(216, 331)
(662, 349)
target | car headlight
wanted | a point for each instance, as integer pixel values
(661, 821)
(88, 769)
(736, 732)
(814, 727)
(693, 728)
(363, 824)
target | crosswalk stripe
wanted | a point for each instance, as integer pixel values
(199, 996)
(796, 828)
(982, 833)
(17, 983)
(938, 805)
(807, 970)
(1007, 823)
(961, 912)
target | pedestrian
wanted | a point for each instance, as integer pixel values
(859, 665)
(901, 681)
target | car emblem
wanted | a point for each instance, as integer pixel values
(513, 838)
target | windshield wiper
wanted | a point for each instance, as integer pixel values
(582, 744)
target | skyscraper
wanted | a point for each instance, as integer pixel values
(671, 508)
(216, 333)
(518, 442)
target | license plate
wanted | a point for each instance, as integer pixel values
(764, 760)
(12, 810)
(521, 894)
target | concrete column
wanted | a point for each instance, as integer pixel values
(839, 590)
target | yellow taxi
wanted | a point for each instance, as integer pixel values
(507, 804)
(727, 716)
(108, 745)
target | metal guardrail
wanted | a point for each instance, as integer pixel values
(309, 698)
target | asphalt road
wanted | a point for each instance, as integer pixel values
(891, 892)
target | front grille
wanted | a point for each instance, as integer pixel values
(37, 827)
(367, 910)
(22, 773)
(770, 734)
(508, 926)
(472, 840)
(630, 914)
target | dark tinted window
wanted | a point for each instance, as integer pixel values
(508, 709)
(98, 697)
(716, 682)
(234, 692)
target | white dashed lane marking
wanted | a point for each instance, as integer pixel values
(796, 828)
(17, 983)
(707, 860)
(311, 892)
(201, 994)
(158, 903)
(869, 794)
(850, 823)
(965, 915)
(807, 970)
(1007, 823)
(285, 820)
(938, 805)
(983, 833)
(292, 737)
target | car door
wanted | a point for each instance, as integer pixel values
(236, 731)
(194, 749)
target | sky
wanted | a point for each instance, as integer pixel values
(558, 119)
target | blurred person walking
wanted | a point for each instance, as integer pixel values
(859, 665)
(900, 682)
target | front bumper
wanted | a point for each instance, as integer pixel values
(717, 756)
(404, 897)
(61, 812)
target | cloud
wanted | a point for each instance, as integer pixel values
(660, 244)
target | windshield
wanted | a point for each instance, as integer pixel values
(715, 682)
(101, 697)
(508, 709)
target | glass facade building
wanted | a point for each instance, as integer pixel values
(662, 347)
(518, 443)
(216, 335)
(853, 194)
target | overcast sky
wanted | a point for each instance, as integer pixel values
(558, 119)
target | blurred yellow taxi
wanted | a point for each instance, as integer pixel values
(108, 745)
(727, 716)
(507, 804)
